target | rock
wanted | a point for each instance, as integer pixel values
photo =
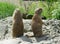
(11, 41)
(3, 29)
(50, 27)
(27, 25)
(45, 42)
(58, 42)
(25, 43)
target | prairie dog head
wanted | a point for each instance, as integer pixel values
(38, 11)
(17, 14)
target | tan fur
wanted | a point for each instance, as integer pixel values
(17, 29)
(37, 23)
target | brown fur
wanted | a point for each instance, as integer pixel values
(37, 23)
(17, 29)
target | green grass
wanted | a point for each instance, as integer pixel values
(6, 9)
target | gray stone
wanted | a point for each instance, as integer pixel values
(50, 27)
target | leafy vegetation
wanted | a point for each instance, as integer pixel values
(6, 9)
(56, 11)
(51, 8)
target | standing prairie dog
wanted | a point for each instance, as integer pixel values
(36, 24)
(17, 29)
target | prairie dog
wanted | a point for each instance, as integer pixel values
(36, 23)
(17, 28)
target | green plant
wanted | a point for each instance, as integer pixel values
(56, 11)
(33, 6)
(22, 9)
(6, 9)
(49, 7)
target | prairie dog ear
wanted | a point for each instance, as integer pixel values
(38, 10)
